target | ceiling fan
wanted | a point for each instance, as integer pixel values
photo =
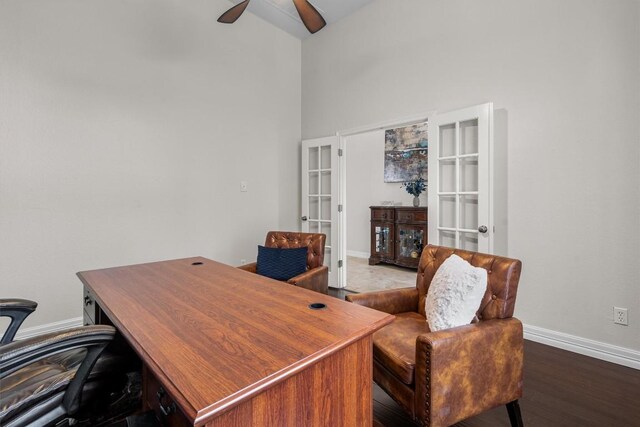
(311, 18)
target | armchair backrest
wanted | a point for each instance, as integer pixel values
(313, 241)
(503, 275)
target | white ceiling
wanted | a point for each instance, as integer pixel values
(283, 14)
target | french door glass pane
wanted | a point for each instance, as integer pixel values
(447, 140)
(325, 179)
(447, 212)
(469, 137)
(314, 208)
(469, 212)
(325, 157)
(314, 186)
(448, 238)
(327, 257)
(325, 228)
(314, 227)
(325, 208)
(313, 159)
(469, 174)
(447, 176)
(469, 241)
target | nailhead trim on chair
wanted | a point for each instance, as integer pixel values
(427, 405)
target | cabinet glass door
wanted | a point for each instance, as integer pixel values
(410, 241)
(383, 246)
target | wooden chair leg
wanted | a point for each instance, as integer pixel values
(513, 408)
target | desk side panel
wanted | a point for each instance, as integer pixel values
(336, 391)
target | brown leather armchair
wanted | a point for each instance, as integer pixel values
(316, 278)
(443, 377)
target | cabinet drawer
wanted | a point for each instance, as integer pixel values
(412, 216)
(153, 396)
(382, 214)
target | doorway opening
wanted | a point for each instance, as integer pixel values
(363, 186)
(466, 189)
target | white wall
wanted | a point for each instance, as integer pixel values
(125, 130)
(567, 73)
(366, 187)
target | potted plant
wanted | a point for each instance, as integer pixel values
(415, 188)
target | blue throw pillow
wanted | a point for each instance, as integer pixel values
(281, 264)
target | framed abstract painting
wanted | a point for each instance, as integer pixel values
(405, 153)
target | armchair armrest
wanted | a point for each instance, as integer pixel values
(8, 303)
(392, 301)
(251, 268)
(19, 354)
(316, 279)
(18, 310)
(463, 371)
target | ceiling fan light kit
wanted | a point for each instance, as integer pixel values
(310, 17)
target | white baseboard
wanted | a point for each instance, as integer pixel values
(599, 350)
(49, 327)
(358, 254)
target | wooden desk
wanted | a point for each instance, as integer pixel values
(233, 348)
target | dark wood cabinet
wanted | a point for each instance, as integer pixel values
(398, 235)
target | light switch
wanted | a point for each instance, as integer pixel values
(243, 186)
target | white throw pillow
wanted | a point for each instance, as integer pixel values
(455, 294)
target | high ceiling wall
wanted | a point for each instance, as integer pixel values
(125, 130)
(567, 75)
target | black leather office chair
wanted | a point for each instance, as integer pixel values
(48, 378)
(17, 310)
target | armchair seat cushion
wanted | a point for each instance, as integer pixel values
(38, 381)
(394, 346)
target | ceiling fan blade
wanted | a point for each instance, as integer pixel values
(311, 18)
(231, 15)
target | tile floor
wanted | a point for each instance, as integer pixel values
(362, 277)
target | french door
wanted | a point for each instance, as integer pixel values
(460, 149)
(320, 165)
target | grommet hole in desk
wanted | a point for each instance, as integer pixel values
(317, 306)
(197, 263)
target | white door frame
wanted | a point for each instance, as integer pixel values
(342, 191)
(484, 114)
(332, 260)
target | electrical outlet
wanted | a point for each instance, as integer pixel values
(620, 316)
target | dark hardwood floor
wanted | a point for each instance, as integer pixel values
(561, 388)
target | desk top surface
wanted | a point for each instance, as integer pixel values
(215, 335)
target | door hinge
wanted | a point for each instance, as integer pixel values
(339, 208)
(339, 263)
(339, 152)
